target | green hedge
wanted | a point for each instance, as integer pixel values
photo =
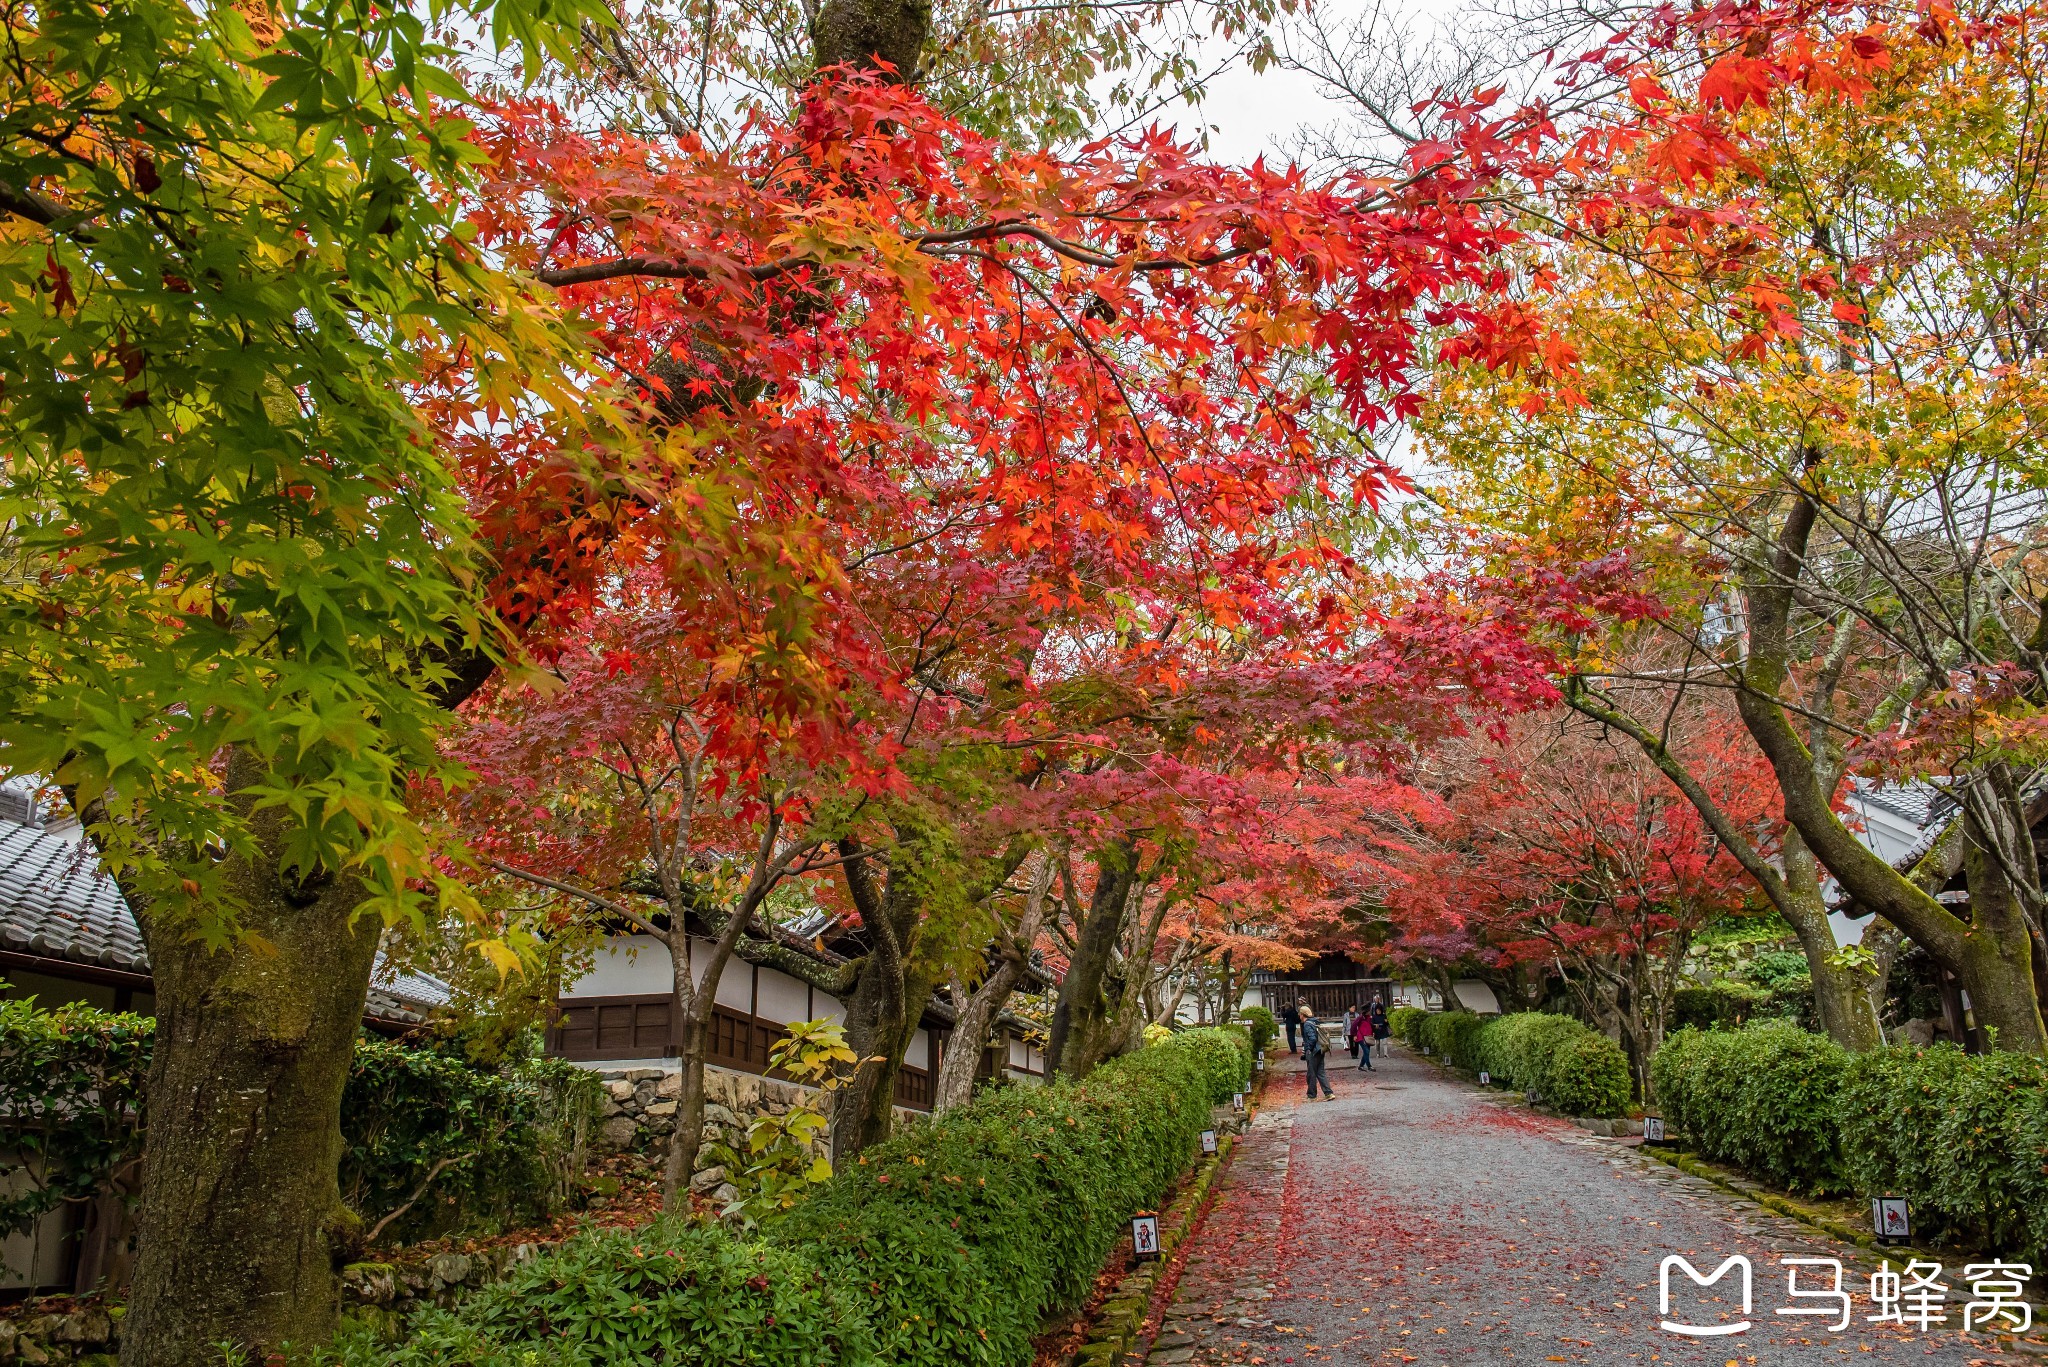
(70, 1085)
(1260, 1022)
(1763, 1097)
(514, 1135)
(1587, 1074)
(515, 1139)
(1574, 1069)
(947, 1245)
(1730, 1003)
(1454, 1036)
(1406, 1023)
(1965, 1136)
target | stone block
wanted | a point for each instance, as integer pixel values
(449, 1269)
(618, 1089)
(717, 1113)
(86, 1329)
(707, 1179)
(618, 1132)
(671, 1085)
(662, 1108)
(370, 1283)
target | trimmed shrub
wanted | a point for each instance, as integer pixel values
(1725, 1004)
(1965, 1136)
(663, 1293)
(1764, 1098)
(1587, 1075)
(513, 1138)
(1577, 1070)
(1516, 1048)
(1260, 1022)
(1454, 1036)
(949, 1244)
(1406, 1023)
(70, 1087)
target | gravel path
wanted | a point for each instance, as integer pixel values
(1419, 1219)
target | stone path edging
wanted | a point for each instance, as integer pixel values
(1121, 1319)
(1119, 1322)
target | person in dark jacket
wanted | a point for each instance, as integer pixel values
(1313, 1054)
(1380, 1027)
(1290, 1016)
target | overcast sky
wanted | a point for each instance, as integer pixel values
(1248, 114)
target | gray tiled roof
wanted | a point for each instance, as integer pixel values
(1907, 801)
(57, 903)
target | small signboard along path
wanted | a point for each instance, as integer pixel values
(1416, 1218)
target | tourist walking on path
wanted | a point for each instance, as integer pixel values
(1361, 1042)
(1351, 1030)
(1290, 1016)
(1380, 1028)
(1314, 1055)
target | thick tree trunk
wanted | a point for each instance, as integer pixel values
(241, 1228)
(1840, 994)
(954, 1084)
(1963, 948)
(1081, 1021)
(1999, 957)
(865, 33)
(876, 1011)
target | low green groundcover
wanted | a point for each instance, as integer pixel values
(947, 1245)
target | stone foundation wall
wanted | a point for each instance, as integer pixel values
(640, 1114)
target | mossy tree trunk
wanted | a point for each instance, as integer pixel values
(241, 1228)
(1985, 952)
(1083, 1021)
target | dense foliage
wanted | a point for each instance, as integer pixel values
(1763, 1098)
(1263, 1027)
(435, 1141)
(1573, 1068)
(70, 1090)
(452, 1145)
(946, 1245)
(1963, 1136)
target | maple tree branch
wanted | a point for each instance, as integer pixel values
(602, 903)
(700, 267)
(26, 203)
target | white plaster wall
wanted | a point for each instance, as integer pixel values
(918, 1055)
(1474, 995)
(784, 1000)
(735, 985)
(630, 966)
(638, 966)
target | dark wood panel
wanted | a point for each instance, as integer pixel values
(598, 1029)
